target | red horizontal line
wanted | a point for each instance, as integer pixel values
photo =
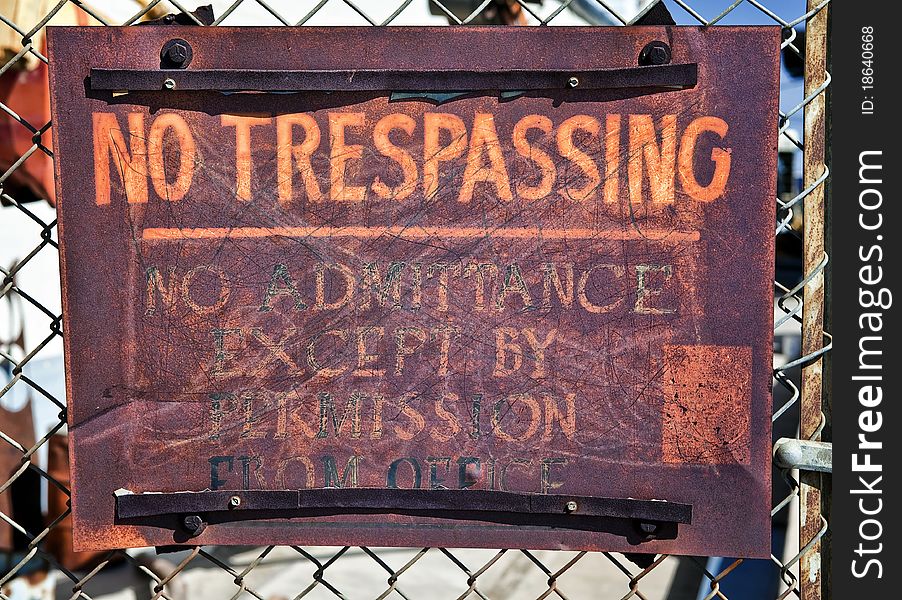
(419, 232)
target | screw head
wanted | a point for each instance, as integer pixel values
(235, 501)
(572, 82)
(572, 506)
(169, 83)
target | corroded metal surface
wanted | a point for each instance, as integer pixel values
(812, 415)
(562, 292)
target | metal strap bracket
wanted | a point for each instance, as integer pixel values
(197, 508)
(664, 76)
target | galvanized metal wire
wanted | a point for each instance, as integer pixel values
(380, 566)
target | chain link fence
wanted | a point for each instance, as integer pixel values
(406, 573)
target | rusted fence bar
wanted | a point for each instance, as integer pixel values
(810, 522)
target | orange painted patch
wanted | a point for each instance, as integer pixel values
(707, 392)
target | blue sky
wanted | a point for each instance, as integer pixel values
(744, 14)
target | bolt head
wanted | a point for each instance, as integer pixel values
(648, 528)
(178, 53)
(169, 84)
(658, 55)
(655, 53)
(573, 82)
(235, 501)
(193, 524)
(175, 54)
(571, 506)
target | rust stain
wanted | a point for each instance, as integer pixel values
(707, 397)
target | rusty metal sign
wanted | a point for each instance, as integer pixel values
(481, 287)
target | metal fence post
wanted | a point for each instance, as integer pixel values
(812, 416)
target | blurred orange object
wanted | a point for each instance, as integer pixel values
(25, 96)
(22, 500)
